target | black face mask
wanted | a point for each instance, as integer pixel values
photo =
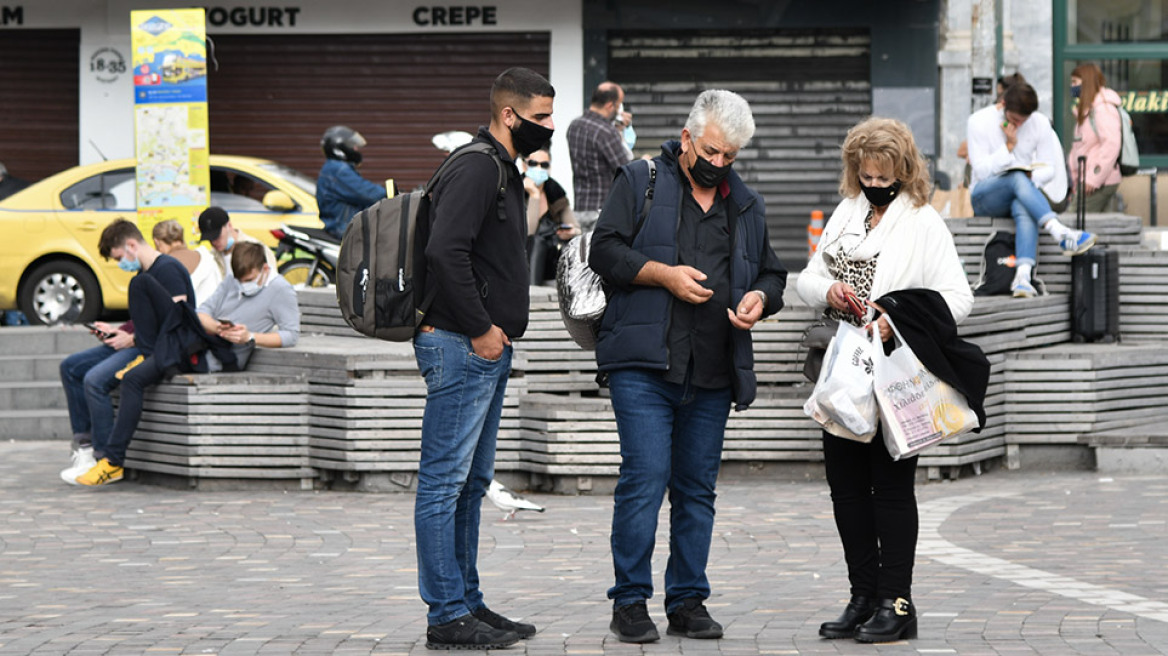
(704, 173)
(881, 196)
(528, 136)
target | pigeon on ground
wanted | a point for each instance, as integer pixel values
(508, 501)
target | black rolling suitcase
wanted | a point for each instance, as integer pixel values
(1094, 282)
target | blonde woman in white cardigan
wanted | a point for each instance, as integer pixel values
(883, 237)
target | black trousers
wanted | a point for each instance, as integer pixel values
(875, 513)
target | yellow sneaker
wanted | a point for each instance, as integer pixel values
(133, 363)
(103, 473)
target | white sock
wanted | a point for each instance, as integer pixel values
(1022, 273)
(1056, 229)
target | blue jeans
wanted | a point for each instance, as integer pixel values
(464, 401)
(671, 438)
(1015, 195)
(88, 379)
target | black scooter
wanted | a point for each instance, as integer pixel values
(314, 255)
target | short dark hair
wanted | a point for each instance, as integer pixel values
(605, 93)
(247, 256)
(517, 86)
(115, 236)
(1021, 99)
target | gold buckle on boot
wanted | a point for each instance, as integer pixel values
(901, 606)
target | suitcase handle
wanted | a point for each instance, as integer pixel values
(1080, 196)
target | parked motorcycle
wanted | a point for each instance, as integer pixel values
(314, 255)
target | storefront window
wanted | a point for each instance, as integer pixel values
(1117, 21)
(1142, 85)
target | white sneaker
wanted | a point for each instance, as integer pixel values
(82, 462)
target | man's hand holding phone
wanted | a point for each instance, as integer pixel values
(101, 332)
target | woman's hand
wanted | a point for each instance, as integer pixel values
(836, 295)
(530, 187)
(880, 324)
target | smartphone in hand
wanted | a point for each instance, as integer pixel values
(225, 323)
(855, 305)
(100, 334)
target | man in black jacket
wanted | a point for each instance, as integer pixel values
(476, 259)
(690, 277)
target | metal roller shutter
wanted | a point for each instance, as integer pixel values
(39, 101)
(273, 96)
(806, 89)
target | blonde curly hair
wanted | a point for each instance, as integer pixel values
(888, 143)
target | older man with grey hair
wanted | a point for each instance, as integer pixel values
(683, 244)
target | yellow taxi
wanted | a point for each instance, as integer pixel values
(49, 265)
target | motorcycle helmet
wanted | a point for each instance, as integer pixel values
(340, 142)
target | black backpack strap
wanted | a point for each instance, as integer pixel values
(647, 199)
(485, 149)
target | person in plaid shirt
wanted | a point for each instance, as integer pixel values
(597, 150)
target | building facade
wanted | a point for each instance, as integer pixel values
(400, 72)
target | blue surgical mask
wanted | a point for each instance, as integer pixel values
(252, 287)
(249, 288)
(230, 243)
(128, 265)
(1076, 90)
(539, 176)
(630, 137)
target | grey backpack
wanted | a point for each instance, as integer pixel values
(383, 251)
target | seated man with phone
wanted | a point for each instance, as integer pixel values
(251, 307)
(90, 376)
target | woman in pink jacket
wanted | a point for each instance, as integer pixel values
(1097, 137)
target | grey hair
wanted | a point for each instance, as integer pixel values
(725, 109)
(3, 170)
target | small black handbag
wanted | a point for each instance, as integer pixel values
(815, 339)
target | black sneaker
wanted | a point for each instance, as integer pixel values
(468, 632)
(632, 623)
(499, 622)
(692, 620)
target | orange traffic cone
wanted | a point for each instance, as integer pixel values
(814, 232)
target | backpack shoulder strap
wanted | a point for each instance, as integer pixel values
(485, 149)
(646, 201)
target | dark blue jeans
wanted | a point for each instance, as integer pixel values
(464, 403)
(149, 302)
(671, 439)
(88, 379)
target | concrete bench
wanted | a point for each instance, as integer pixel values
(363, 398)
(224, 430)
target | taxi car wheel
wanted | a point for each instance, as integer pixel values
(60, 291)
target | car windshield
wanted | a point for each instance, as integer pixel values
(291, 175)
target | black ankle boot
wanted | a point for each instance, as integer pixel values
(858, 610)
(894, 619)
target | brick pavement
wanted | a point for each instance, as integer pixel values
(1010, 563)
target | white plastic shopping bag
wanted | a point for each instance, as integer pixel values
(843, 401)
(917, 409)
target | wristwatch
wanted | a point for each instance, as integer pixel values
(251, 339)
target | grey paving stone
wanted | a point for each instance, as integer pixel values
(140, 569)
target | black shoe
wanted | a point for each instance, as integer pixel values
(632, 623)
(499, 622)
(895, 619)
(858, 611)
(468, 632)
(692, 620)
